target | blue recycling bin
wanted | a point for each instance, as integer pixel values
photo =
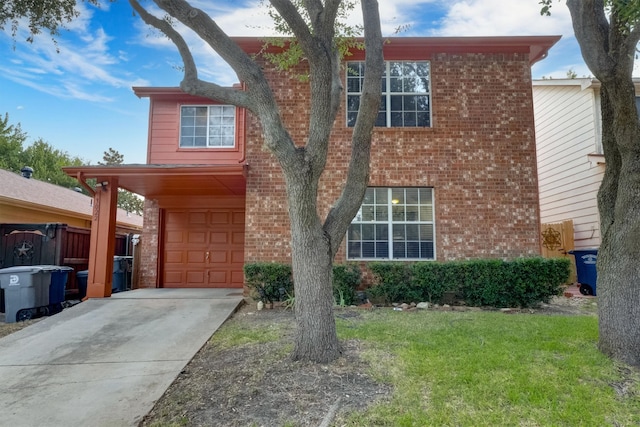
(82, 277)
(121, 273)
(586, 268)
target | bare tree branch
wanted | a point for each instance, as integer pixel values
(349, 202)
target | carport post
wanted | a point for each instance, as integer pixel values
(103, 238)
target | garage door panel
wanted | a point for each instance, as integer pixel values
(217, 237)
(218, 257)
(218, 277)
(173, 278)
(197, 237)
(195, 277)
(219, 218)
(174, 237)
(237, 238)
(196, 257)
(197, 218)
(174, 257)
(190, 235)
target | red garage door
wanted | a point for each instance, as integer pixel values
(203, 248)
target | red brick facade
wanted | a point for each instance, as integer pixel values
(478, 155)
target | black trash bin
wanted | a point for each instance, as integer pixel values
(586, 268)
(82, 277)
(57, 288)
(121, 273)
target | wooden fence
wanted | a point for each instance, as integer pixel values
(557, 241)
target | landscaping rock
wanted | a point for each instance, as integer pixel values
(423, 305)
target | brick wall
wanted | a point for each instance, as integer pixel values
(149, 245)
(479, 156)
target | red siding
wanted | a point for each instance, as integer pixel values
(164, 133)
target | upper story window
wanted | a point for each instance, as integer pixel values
(393, 224)
(212, 126)
(406, 99)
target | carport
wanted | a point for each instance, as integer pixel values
(163, 183)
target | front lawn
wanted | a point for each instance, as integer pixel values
(490, 368)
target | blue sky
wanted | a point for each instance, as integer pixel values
(79, 98)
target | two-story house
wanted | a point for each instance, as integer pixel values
(453, 166)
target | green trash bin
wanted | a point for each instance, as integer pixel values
(26, 291)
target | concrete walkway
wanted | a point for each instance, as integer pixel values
(105, 362)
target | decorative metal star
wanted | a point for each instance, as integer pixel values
(24, 250)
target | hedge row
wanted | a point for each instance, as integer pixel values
(270, 282)
(522, 282)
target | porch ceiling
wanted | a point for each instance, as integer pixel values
(153, 181)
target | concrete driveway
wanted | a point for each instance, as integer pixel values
(105, 362)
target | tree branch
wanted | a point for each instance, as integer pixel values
(190, 83)
(344, 210)
(258, 96)
(592, 32)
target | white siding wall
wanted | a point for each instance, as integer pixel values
(567, 131)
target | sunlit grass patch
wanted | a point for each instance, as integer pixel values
(489, 368)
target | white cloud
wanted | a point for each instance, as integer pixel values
(502, 18)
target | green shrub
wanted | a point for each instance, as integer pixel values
(269, 281)
(346, 279)
(522, 282)
(393, 282)
(434, 279)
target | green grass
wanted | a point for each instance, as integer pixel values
(488, 368)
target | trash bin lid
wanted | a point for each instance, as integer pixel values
(34, 269)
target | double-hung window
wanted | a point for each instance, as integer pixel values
(406, 98)
(209, 126)
(393, 224)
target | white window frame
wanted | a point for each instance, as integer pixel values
(424, 221)
(209, 127)
(387, 94)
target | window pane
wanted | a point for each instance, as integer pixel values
(354, 232)
(368, 232)
(351, 119)
(368, 250)
(399, 250)
(353, 103)
(382, 250)
(353, 84)
(413, 250)
(397, 196)
(382, 232)
(412, 231)
(396, 120)
(353, 250)
(368, 213)
(382, 196)
(399, 232)
(409, 119)
(369, 197)
(424, 120)
(200, 141)
(426, 213)
(382, 213)
(426, 232)
(397, 213)
(381, 121)
(412, 213)
(186, 142)
(425, 195)
(396, 103)
(426, 250)
(395, 84)
(412, 196)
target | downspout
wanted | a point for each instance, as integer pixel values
(81, 180)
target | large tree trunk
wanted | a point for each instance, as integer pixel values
(618, 286)
(608, 46)
(316, 338)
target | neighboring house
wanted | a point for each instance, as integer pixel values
(24, 200)
(571, 163)
(453, 167)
